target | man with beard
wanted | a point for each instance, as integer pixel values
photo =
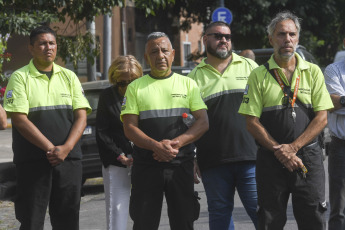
(286, 105)
(226, 153)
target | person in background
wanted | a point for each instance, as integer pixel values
(114, 148)
(3, 118)
(48, 110)
(248, 54)
(226, 153)
(285, 105)
(335, 82)
(163, 151)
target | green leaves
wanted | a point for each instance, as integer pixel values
(21, 16)
(77, 48)
(151, 5)
(23, 22)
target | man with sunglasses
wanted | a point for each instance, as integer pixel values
(226, 153)
(285, 106)
(163, 154)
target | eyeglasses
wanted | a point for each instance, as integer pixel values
(123, 83)
(220, 36)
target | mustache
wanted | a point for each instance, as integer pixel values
(287, 47)
(222, 43)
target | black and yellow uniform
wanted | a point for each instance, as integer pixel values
(227, 138)
(226, 153)
(49, 105)
(159, 103)
(264, 98)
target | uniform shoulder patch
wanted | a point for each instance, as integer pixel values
(123, 106)
(9, 94)
(246, 90)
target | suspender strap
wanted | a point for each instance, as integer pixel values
(310, 114)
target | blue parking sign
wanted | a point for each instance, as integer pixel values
(222, 14)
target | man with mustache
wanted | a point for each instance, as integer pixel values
(48, 111)
(285, 106)
(226, 153)
(163, 151)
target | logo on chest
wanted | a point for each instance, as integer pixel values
(65, 95)
(178, 95)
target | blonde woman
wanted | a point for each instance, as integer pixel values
(114, 147)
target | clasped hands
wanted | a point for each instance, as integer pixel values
(166, 150)
(57, 154)
(286, 154)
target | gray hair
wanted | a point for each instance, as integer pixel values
(156, 35)
(282, 16)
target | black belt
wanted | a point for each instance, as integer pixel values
(310, 146)
(338, 140)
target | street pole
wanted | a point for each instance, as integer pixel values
(91, 68)
(106, 45)
(221, 3)
(124, 29)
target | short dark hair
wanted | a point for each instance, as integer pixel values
(217, 23)
(40, 30)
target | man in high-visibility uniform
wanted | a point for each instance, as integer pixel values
(163, 154)
(226, 154)
(286, 105)
(48, 111)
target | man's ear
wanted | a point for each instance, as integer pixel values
(204, 40)
(173, 53)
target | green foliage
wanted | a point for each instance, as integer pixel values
(151, 5)
(4, 56)
(77, 48)
(322, 21)
(21, 16)
(22, 23)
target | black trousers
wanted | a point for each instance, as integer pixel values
(275, 183)
(40, 184)
(150, 183)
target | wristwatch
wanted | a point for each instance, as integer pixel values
(342, 101)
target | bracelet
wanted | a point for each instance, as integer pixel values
(120, 156)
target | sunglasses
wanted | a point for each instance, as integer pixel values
(123, 83)
(220, 36)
